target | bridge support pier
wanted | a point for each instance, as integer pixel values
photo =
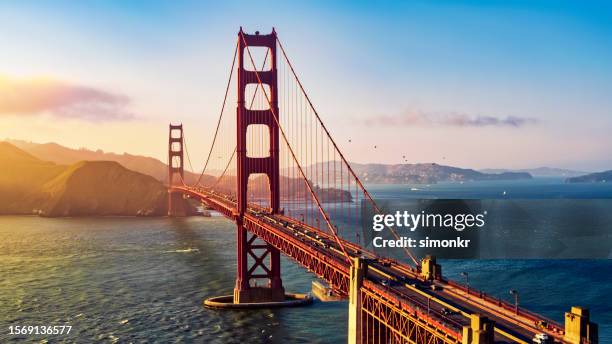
(252, 247)
(355, 329)
(480, 331)
(578, 328)
(252, 253)
(176, 205)
(258, 250)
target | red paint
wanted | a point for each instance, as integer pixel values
(247, 165)
(176, 171)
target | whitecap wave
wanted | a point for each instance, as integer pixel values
(184, 250)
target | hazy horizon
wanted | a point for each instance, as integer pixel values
(476, 84)
(93, 149)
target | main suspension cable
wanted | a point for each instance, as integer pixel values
(187, 153)
(313, 194)
(250, 106)
(229, 81)
(358, 181)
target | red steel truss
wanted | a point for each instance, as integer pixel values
(176, 170)
(269, 165)
(317, 225)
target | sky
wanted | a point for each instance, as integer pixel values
(478, 84)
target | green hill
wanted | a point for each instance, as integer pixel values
(99, 188)
(21, 179)
(102, 188)
(599, 177)
(65, 156)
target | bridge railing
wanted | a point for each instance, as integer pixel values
(538, 319)
(416, 309)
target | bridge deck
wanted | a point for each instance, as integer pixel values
(446, 306)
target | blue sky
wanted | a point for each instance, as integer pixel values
(474, 83)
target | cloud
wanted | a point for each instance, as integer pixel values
(417, 118)
(60, 99)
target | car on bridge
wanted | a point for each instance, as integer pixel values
(542, 338)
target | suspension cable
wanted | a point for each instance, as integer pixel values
(187, 152)
(229, 81)
(250, 106)
(225, 169)
(358, 181)
(313, 194)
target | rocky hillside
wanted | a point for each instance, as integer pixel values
(426, 174)
(600, 177)
(102, 188)
(294, 188)
(31, 186)
(21, 179)
(150, 166)
(67, 156)
(541, 172)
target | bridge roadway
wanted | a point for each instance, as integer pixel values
(443, 303)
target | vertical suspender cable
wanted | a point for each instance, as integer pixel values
(358, 181)
(314, 196)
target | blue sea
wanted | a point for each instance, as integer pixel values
(121, 280)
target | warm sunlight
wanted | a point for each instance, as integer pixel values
(406, 172)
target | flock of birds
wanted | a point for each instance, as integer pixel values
(403, 156)
(504, 193)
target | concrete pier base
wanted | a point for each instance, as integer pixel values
(259, 295)
(227, 302)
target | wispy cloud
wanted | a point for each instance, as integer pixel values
(61, 99)
(418, 118)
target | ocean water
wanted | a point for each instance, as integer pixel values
(536, 188)
(538, 218)
(144, 279)
(122, 280)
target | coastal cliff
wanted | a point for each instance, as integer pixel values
(29, 185)
(88, 188)
(102, 188)
(599, 177)
(428, 173)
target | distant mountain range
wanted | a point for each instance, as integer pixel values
(423, 173)
(370, 173)
(138, 163)
(427, 173)
(599, 177)
(540, 172)
(52, 180)
(29, 185)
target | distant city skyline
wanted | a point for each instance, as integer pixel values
(476, 84)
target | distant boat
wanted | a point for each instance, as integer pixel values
(414, 189)
(504, 193)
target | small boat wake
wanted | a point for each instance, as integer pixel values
(185, 250)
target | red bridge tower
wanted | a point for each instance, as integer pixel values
(247, 246)
(176, 172)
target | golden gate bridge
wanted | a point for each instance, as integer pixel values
(276, 171)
